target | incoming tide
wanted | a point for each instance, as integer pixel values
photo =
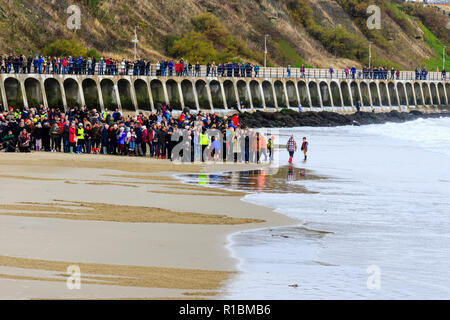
(376, 227)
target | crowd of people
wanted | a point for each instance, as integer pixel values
(72, 65)
(185, 68)
(144, 67)
(200, 137)
(422, 73)
(381, 73)
(109, 66)
(376, 73)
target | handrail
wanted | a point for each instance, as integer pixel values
(269, 72)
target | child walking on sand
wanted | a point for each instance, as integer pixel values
(305, 147)
(291, 146)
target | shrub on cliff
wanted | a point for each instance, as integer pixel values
(62, 47)
(337, 41)
(194, 46)
(65, 48)
(210, 41)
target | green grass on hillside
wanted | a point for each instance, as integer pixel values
(436, 45)
(290, 55)
(400, 17)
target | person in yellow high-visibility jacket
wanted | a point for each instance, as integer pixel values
(80, 138)
(45, 65)
(204, 141)
(104, 114)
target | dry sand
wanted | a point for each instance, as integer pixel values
(134, 230)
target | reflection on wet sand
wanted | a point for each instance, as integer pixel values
(274, 180)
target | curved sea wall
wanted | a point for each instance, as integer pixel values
(146, 93)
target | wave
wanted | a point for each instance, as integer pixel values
(430, 134)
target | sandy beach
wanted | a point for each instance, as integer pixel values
(132, 229)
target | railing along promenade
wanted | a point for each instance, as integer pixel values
(269, 89)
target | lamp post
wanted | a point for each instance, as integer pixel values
(135, 41)
(370, 53)
(443, 58)
(265, 50)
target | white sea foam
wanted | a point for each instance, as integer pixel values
(431, 134)
(386, 204)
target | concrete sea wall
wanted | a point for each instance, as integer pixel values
(145, 93)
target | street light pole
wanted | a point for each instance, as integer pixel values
(443, 58)
(370, 53)
(265, 50)
(135, 41)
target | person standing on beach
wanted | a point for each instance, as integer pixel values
(104, 138)
(270, 147)
(55, 135)
(204, 142)
(80, 138)
(236, 146)
(358, 106)
(72, 137)
(291, 146)
(305, 147)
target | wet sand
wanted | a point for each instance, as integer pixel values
(133, 229)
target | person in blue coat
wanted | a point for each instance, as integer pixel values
(40, 64)
(353, 72)
(256, 68)
(36, 65)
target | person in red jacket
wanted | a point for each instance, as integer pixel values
(144, 139)
(64, 64)
(72, 137)
(235, 120)
(181, 67)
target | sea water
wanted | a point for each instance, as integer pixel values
(378, 227)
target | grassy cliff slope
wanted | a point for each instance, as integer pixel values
(319, 33)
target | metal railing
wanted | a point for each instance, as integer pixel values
(281, 73)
